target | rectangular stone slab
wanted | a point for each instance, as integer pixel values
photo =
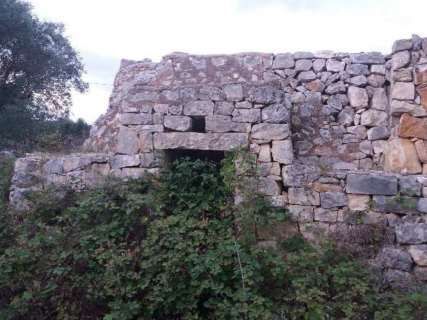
(200, 141)
(376, 184)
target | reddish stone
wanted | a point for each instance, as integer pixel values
(422, 91)
(411, 127)
(421, 75)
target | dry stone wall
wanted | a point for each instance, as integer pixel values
(340, 139)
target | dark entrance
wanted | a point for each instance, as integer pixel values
(175, 154)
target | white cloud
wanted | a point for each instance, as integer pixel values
(106, 30)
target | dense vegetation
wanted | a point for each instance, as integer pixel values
(177, 247)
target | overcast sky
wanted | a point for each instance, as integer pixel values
(105, 31)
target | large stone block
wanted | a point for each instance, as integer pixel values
(283, 61)
(390, 204)
(200, 141)
(269, 131)
(333, 199)
(127, 141)
(282, 151)
(136, 118)
(411, 127)
(392, 258)
(367, 58)
(303, 196)
(247, 115)
(411, 233)
(178, 123)
(358, 97)
(123, 161)
(277, 113)
(403, 91)
(376, 184)
(379, 99)
(400, 59)
(233, 92)
(421, 147)
(401, 157)
(410, 186)
(199, 108)
(374, 118)
(419, 254)
(219, 123)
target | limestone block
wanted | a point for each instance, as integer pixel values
(150, 128)
(379, 99)
(148, 160)
(233, 92)
(333, 65)
(303, 196)
(392, 258)
(282, 151)
(367, 58)
(319, 65)
(269, 186)
(127, 141)
(419, 254)
(123, 161)
(264, 153)
(400, 59)
(244, 105)
(392, 204)
(200, 141)
(247, 115)
(422, 91)
(401, 157)
(358, 202)
(411, 127)
(403, 91)
(178, 123)
(325, 215)
(145, 141)
(374, 118)
(400, 45)
(378, 68)
(409, 186)
(411, 233)
(333, 199)
(136, 118)
(376, 184)
(199, 108)
(269, 131)
(219, 123)
(422, 205)
(224, 108)
(303, 65)
(276, 113)
(283, 61)
(421, 147)
(378, 133)
(398, 107)
(358, 97)
(306, 76)
(301, 213)
(356, 69)
(402, 75)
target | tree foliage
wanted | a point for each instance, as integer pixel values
(38, 66)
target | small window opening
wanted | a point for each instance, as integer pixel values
(199, 124)
(206, 155)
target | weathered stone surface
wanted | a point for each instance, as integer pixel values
(298, 175)
(422, 205)
(283, 61)
(371, 184)
(219, 123)
(419, 254)
(136, 118)
(402, 75)
(178, 123)
(199, 108)
(398, 107)
(400, 45)
(233, 92)
(199, 141)
(303, 65)
(269, 186)
(333, 199)
(318, 65)
(306, 76)
(422, 91)
(303, 196)
(282, 151)
(411, 127)
(401, 157)
(421, 147)
(358, 202)
(378, 133)
(394, 204)
(333, 65)
(358, 97)
(264, 153)
(411, 233)
(277, 113)
(367, 58)
(247, 115)
(325, 215)
(127, 141)
(358, 81)
(123, 161)
(374, 118)
(224, 108)
(356, 69)
(301, 213)
(393, 258)
(410, 186)
(378, 68)
(145, 142)
(268, 132)
(266, 95)
(403, 91)
(400, 59)
(379, 99)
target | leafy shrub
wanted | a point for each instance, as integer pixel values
(176, 248)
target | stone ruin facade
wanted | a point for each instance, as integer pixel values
(340, 139)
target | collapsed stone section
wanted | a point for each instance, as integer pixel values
(340, 138)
